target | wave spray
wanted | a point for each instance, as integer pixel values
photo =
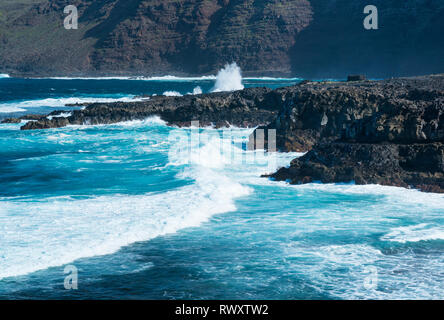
(228, 79)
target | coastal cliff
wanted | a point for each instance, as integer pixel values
(388, 132)
(192, 37)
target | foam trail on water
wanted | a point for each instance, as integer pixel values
(21, 106)
(415, 233)
(140, 78)
(61, 115)
(228, 79)
(4, 75)
(169, 78)
(172, 94)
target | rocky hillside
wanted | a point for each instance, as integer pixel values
(309, 38)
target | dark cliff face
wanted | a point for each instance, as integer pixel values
(310, 38)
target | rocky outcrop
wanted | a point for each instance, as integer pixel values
(306, 38)
(404, 110)
(418, 166)
(247, 108)
(381, 132)
(27, 117)
(11, 120)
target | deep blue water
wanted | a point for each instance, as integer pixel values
(145, 211)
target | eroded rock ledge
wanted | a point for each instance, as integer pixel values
(389, 132)
(386, 132)
(247, 108)
(417, 166)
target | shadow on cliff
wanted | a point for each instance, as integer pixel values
(336, 43)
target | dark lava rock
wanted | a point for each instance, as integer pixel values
(385, 132)
(404, 110)
(33, 117)
(418, 166)
(11, 120)
(246, 108)
(358, 77)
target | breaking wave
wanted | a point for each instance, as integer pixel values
(415, 233)
(58, 230)
(228, 79)
(172, 94)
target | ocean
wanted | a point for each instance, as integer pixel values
(145, 211)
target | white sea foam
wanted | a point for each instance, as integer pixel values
(20, 106)
(350, 254)
(56, 231)
(343, 271)
(396, 195)
(140, 78)
(196, 90)
(10, 108)
(153, 120)
(172, 94)
(61, 115)
(415, 233)
(272, 79)
(4, 75)
(228, 79)
(175, 78)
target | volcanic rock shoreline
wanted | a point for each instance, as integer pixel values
(388, 132)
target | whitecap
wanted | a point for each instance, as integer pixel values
(172, 94)
(61, 115)
(415, 233)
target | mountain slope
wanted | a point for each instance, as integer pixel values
(310, 38)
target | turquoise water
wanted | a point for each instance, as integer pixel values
(147, 211)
